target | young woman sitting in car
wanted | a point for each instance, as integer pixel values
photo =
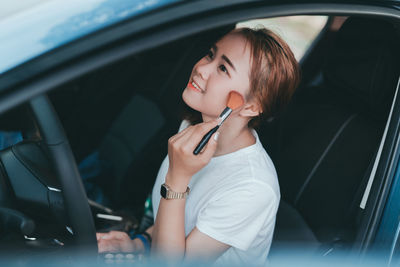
(229, 214)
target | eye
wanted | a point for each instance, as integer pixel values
(210, 54)
(223, 69)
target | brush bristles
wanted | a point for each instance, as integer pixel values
(235, 100)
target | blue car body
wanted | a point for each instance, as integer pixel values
(387, 240)
(40, 29)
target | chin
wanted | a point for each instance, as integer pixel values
(189, 101)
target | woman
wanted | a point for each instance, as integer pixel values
(229, 214)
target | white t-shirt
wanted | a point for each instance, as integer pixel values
(233, 199)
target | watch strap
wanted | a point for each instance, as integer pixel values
(167, 193)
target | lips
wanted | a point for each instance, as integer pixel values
(194, 86)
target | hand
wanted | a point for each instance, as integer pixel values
(183, 164)
(116, 241)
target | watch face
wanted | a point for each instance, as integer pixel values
(163, 191)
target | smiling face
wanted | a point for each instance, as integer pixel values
(226, 67)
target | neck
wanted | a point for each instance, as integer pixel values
(234, 135)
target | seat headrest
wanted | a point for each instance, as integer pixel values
(364, 64)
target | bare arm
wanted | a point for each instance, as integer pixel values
(203, 247)
(169, 229)
(169, 235)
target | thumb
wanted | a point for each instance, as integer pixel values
(100, 236)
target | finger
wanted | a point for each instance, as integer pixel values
(191, 138)
(190, 129)
(200, 132)
(205, 127)
(102, 246)
(185, 137)
(101, 236)
(108, 246)
(181, 133)
(118, 235)
(98, 236)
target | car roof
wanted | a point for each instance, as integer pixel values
(32, 28)
(40, 26)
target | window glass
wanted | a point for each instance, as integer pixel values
(298, 31)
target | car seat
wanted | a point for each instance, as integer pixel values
(323, 144)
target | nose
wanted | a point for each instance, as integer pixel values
(204, 68)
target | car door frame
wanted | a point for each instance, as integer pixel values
(146, 32)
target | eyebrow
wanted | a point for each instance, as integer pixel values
(225, 58)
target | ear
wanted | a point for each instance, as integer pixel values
(251, 109)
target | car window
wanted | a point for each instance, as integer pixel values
(298, 31)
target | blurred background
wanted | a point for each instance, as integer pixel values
(298, 31)
(8, 8)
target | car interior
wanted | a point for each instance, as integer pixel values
(323, 145)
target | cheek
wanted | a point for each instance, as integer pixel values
(211, 104)
(214, 103)
(218, 99)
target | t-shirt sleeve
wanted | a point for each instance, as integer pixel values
(240, 214)
(184, 125)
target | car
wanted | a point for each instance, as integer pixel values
(90, 93)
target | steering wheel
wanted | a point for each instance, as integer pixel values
(75, 200)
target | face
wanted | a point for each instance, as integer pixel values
(226, 67)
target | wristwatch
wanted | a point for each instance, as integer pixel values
(167, 193)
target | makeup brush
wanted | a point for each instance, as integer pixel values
(235, 100)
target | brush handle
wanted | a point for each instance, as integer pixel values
(204, 140)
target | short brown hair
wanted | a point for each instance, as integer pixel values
(274, 74)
